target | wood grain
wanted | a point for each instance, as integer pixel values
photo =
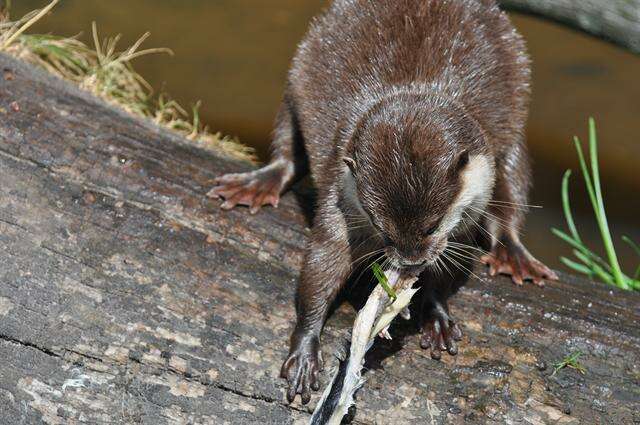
(127, 296)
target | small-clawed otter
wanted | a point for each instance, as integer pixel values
(410, 116)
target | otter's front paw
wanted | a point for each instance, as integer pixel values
(440, 333)
(301, 370)
(512, 258)
(253, 189)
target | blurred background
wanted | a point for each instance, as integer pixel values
(234, 55)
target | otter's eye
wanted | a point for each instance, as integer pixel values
(431, 230)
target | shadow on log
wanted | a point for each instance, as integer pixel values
(127, 296)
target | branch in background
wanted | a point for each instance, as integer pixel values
(615, 20)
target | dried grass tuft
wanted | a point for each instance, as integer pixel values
(108, 73)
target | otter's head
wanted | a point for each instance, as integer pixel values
(415, 174)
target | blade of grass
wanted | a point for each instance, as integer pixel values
(599, 208)
(578, 246)
(603, 274)
(382, 280)
(585, 171)
(566, 205)
(632, 244)
(571, 361)
(592, 265)
(580, 268)
(109, 74)
(68, 56)
(28, 24)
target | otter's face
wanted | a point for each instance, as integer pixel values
(416, 205)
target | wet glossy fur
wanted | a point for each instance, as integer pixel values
(409, 114)
(445, 60)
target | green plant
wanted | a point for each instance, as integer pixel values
(571, 361)
(383, 281)
(588, 262)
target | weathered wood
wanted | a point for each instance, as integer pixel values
(127, 296)
(615, 20)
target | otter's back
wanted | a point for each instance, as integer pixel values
(466, 50)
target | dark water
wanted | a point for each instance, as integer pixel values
(234, 54)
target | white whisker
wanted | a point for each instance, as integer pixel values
(465, 246)
(500, 221)
(366, 256)
(458, 254)
(513, 204)
(461, 267)
(491, 237)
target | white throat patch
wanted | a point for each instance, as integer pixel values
(477, 180)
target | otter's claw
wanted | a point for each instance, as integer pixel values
(440, 334)
(253, 189)
(514, 260)
(301, 370)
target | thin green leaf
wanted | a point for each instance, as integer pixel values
(602, 273)
(601, 216)
(571, 361)
(632, 244)
(593, 261)
(60, 53)
(382, 280)
(585, 172)
(580, 268)
(592, 265)
(568, 239)
(577, 245)
(566, 205)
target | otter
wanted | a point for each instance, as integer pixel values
(409, 116)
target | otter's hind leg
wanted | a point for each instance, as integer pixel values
(505, 217)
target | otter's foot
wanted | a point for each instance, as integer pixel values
(301, 370)
(513, 259)
(440, 333)
(253, 189)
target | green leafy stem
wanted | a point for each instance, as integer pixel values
(383, 281)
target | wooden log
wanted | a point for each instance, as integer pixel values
(127, 296)
(617, 21)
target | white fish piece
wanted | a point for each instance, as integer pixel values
(373, 318)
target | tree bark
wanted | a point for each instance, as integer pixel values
(127, 296)
(615, 20)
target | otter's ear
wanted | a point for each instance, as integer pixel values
(350, 163)
(463, 160)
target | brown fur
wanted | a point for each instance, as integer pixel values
(404, 91)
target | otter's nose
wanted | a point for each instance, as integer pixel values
(411, 256)
(411, 263)
(413, 267)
